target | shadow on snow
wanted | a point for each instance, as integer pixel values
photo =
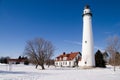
(12, 72)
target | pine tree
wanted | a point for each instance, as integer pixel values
(99, 61)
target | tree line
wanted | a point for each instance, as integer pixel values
(4, 60)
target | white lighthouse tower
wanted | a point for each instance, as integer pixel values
(88, 59)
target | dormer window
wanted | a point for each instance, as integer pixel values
(64, 58)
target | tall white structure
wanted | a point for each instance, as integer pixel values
(88, 59)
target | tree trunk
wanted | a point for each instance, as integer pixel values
(114, 68)
(48, 65)
(114, 62)
(42, 67)
(36, 66)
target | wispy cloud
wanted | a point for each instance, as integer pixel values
(99, 48)
(117, 24)
(73, 42)
(111, 33)
(107, 32)
(114, 29)
(79, 43)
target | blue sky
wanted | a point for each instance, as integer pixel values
(59, 21)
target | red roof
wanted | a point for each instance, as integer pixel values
(70, 56)
(16, 60)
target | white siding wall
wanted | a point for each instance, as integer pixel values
(64, 63)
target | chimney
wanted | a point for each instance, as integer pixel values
(63, 53)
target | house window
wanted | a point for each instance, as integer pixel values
(70, 63)
(60, 63)
(63, 63)
(66, 63)
(65, 58)
(56, 64)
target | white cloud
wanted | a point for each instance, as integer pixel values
(79, 43)
(73, 42)
(117, 24)
(99, 48)
(107, 32)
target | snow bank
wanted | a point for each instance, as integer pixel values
(22, 72)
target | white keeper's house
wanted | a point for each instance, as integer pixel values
(68, 60)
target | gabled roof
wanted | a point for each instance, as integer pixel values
(70, 56)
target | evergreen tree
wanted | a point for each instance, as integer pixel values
(4, 60)
(99, 61)
(19, 57)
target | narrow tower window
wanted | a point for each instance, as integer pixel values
(85, 62)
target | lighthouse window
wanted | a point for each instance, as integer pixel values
(85, 62)
(85, 41)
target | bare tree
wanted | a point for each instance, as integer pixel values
(113, 46)
(39, 51)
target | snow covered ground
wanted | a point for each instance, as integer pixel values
(22, 72)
